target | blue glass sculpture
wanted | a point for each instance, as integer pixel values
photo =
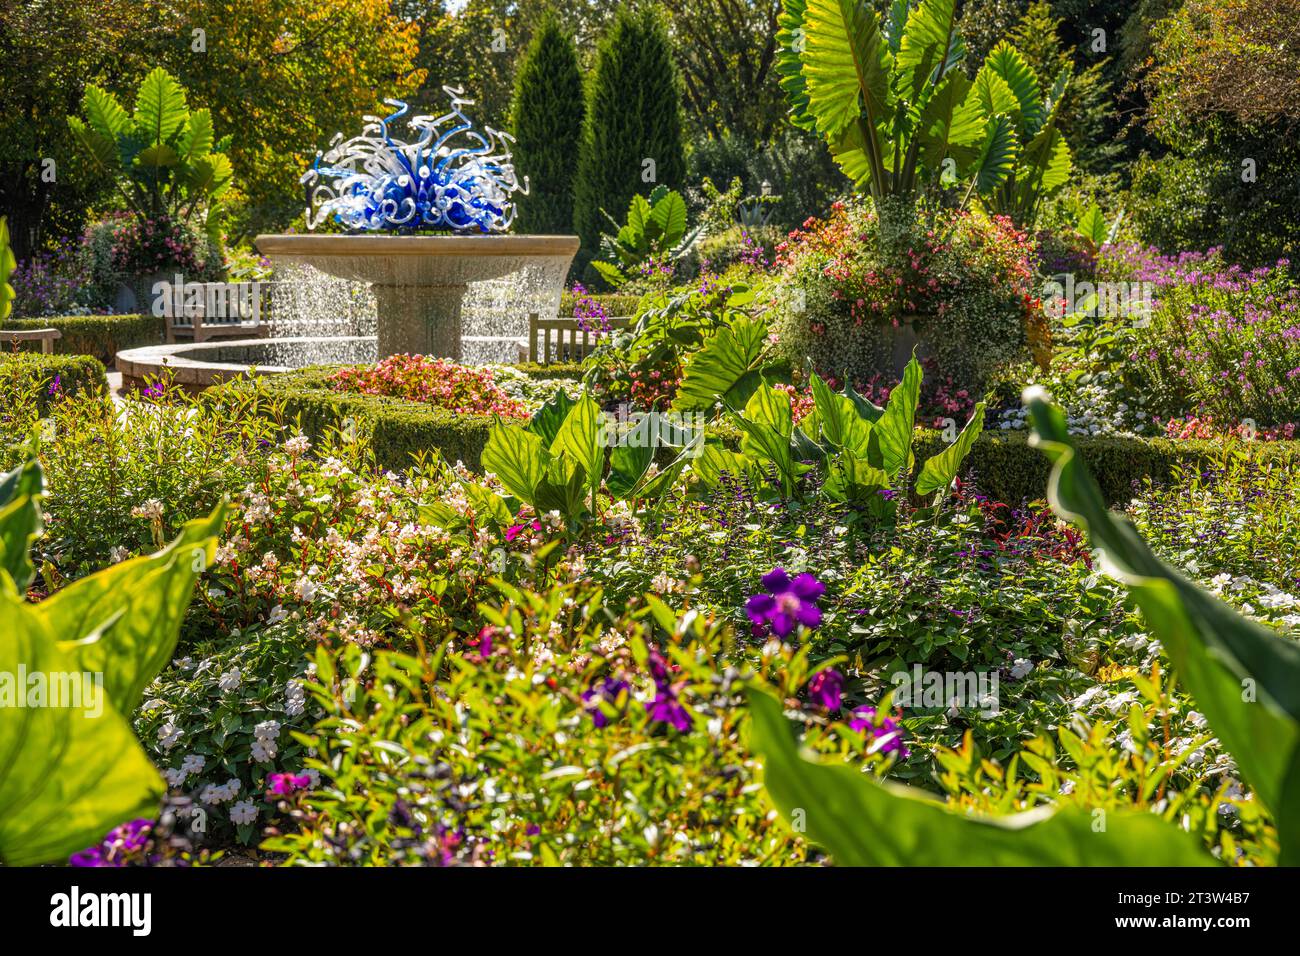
(451, 176)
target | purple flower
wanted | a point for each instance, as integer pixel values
(154, 390)
(607, 691)
(121, 842)
(787, 603)
(826, 689)
(55, 385)
(666, 707)
(886, 729)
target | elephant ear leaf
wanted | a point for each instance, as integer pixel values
(517, 457)
(546, 421)
(863, 822)
(938, 472)
(1244, 678)
(890, 440)
(790, 38)
(725, 368)
(20, 521)
(124, 621)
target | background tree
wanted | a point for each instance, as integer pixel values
(726, 51)
(632, 137)
(547, 124)
(50, 51)
(282, 77)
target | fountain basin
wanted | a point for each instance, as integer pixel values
(420, 282)
(196, 366)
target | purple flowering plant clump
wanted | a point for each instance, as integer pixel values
(789, 602)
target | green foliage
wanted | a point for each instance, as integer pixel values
(862, 822)
(100, 336)
(653, 237)
(44, 379)
(75, 770)
(7, 266)
(633, 115)
(547, 125)
(1245, 678)
(164, 157)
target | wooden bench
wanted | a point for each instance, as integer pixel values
(566, 339)
(45, 336)
(225, 309)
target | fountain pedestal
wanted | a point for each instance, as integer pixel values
(420, 282)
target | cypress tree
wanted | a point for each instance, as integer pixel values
(633, 115)
(547, 124)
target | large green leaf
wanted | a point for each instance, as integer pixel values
(103, 152)
(938, 472)
(997, 154)
(104, 113)
(845, 61)
(21, 491)
(724, 369)
(582, 440)
(950, 121)
(863, 822)
(1245, 679)
(669, 215)
(160, 110)
(546, 421)
(890, 441)
(1044, 167)
(124, 621)
(1006, 62)
(210, 176)
(67, 774)
(993, 94)
(924, 51)
(1092, 226)
(517, 457)
(841, 423)
(197, 137)
(7, 266)
(767, 434)
(790, 39)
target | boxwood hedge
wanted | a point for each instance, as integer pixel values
(1002, 465)
(101, 336)
(51, 375)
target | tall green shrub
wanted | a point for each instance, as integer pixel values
(633, 115)
(547, 124)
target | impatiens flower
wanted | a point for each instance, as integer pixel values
(607, 691)
(826, 688)
(886, 730)
(243, 812)
(283, 784)
(787, 603)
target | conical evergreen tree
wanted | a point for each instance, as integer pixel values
(632, 140)
(547, 124)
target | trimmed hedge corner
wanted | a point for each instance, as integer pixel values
(101, 336)
(75, 374)
(1005, 467)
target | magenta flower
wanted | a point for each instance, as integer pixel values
(666, 707)
(826, 688)
(886, 730)
(283, 784)
(122, 846)
(787, 603)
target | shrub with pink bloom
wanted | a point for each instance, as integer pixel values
(433, 381)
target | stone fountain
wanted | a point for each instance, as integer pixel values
(450, 180)
(420, 282)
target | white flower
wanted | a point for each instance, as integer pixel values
(193, 763)
(169, 735)
(243, 813)
(1021, 668)
(278, 614)
(151, 509)
(230, 680)
(306, 589)
(295, 699)
(175, 776)
(118, 554)
(263, 752)
(267, 730)
(297, 445)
